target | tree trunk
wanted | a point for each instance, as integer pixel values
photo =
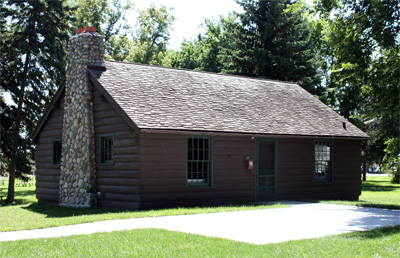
(13, 165)
(365, 171)
(14, 151)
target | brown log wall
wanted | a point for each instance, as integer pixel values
(163, 178)
(296, 171)
(48, 174)
(118, 183)
(163, 172)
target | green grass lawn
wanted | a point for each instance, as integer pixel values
(26, 213)
(377, 192)
(161, 243)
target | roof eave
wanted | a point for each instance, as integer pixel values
(50, 107)
(222, 133)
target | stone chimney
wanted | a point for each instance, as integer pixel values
(78, 178)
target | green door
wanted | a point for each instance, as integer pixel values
(266, 169)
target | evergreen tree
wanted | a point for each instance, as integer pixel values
(32, 63)
(273, 41)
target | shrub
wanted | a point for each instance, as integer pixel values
(391, 161)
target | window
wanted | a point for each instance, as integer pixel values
(107, 149)
(199, 160)
(57, 146)
(323, 161)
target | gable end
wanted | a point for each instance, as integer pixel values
(50, 107)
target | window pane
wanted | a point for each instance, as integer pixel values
(111, 144)
(57, 148)
(206, 155)
(198, 155)
(323, 165)
(107, 149)
(201, 154)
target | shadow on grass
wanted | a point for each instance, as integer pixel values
(375, 233)
(21, 197)
(376, 205)
(53, 211)
(21, 201)
(24, 192)
(359, 203)
(378, 186)
(17, 202)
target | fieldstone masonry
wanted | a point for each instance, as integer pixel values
(77, 179)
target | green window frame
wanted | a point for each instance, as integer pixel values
(57, 149)
(199, 153)
(323, 161)
(106, 149)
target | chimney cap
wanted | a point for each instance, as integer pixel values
(90, 29)
(86, 29)
(78, 31)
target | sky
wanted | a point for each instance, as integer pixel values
(189, 14)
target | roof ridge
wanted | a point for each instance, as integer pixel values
(204, 72)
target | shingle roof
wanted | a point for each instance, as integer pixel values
(176, 99)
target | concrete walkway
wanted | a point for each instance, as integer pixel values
(300, 221)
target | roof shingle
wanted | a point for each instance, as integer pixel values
(176, 99)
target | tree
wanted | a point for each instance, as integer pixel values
(273, 41)
(188, 56)
(152, 35)
(33, 51)
(119, 48)
(381, 112)
(204, 53)
(362, 38)
(108, 16)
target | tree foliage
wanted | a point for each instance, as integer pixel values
(274, 42)
(109, 18)
(205, 52)
(362, 43)
(33, 51)
(151, 37)
(269, 39)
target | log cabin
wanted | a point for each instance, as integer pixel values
(134, 136)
